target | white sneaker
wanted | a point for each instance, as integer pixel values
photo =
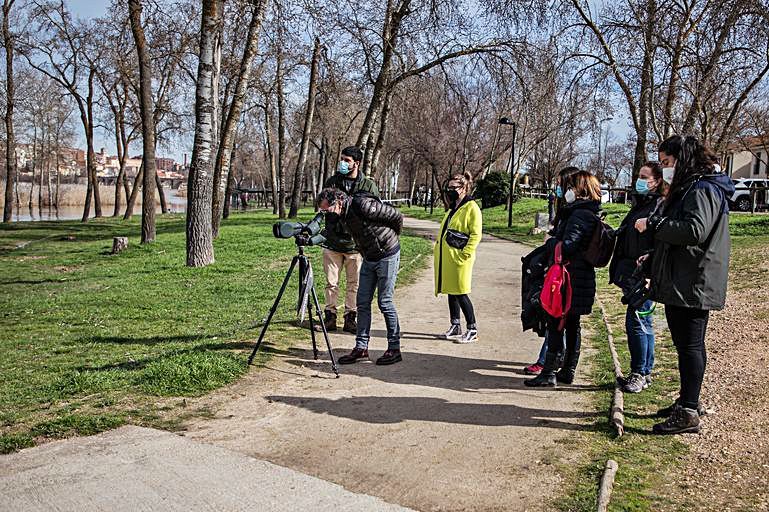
(647, 381)
(469, 337)
(455, 331)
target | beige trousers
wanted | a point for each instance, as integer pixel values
(333, 262)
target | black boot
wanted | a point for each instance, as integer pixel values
(681, 421)
(350, 323)
(330, 321)
(566, 374)
(546, 377)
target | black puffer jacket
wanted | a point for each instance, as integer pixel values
(690, 265)
(337, 237)
(574, 226)
(630, 242)
(374, 225)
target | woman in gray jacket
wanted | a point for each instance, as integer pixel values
(690, 264)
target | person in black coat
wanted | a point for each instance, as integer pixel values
(574, 225)
(690, 264)
(631, 245)
(376, 228)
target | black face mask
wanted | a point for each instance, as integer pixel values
(452, 195)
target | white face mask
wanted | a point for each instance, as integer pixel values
(570, 196)
(668, 173)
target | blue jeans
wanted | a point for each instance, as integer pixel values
(640, 340)
(543, 351)
(380, 276)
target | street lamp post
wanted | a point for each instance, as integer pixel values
(510, 166)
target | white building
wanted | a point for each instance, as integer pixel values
(748, 158)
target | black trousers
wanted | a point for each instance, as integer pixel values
(457, 302)
(687, 328)
(573, 334)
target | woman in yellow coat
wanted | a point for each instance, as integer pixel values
(454, 254)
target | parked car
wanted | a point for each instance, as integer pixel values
(741, 199)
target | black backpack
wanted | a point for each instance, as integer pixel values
(601, 246)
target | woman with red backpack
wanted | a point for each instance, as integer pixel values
(573, 229)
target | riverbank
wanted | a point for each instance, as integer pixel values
(73, 195)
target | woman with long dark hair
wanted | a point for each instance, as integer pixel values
(573, 227)
(690, 264)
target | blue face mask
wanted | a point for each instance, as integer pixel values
(343, 168)
(642, 186)
(558, 192)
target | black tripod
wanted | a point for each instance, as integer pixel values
(304, 295)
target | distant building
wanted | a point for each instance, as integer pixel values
(165, 164)
(748, 158)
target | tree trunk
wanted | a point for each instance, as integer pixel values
(305, 144)
(271, 156)
(121, 157)
(228, 186)
(236, 107)
(148, 124)
(161, 195)
(382, 136)
(91, 157)
(281, 137)
(10, 99)
(129, 209)
(34, 164)
(200, 249)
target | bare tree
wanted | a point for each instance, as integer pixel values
(305, 144)
(200, 249)
(148, 123)
(10, 94)
(224, 152)
(64, 56)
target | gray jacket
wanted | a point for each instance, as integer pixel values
(690, 263)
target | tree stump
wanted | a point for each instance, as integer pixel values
(119, 243)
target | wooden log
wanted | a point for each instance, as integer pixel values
(119, 243)
(617, 412)
(607, 483)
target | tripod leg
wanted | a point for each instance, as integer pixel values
(273, 309)
(312, 329)
(325, 334)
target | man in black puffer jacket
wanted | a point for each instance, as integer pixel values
(339, 253)
(375, 227)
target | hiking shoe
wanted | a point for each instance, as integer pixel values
(352, 357)
(533, 369)
(647, 381)
(682, 420)
(390, 357)
(469, 337)
(455, 331)
(667, 411)
(350, 323)
(541, 381)
(635, 384)
(330, 321)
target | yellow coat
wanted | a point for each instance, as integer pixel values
(454, 267)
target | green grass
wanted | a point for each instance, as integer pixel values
(91, 341)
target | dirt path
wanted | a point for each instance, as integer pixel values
(450, 428)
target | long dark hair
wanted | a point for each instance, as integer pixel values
(693, 159)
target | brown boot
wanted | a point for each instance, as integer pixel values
(330, 321)
(350, 323)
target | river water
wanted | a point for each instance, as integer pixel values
(176, 204)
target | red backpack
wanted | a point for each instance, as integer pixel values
(556, 291)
